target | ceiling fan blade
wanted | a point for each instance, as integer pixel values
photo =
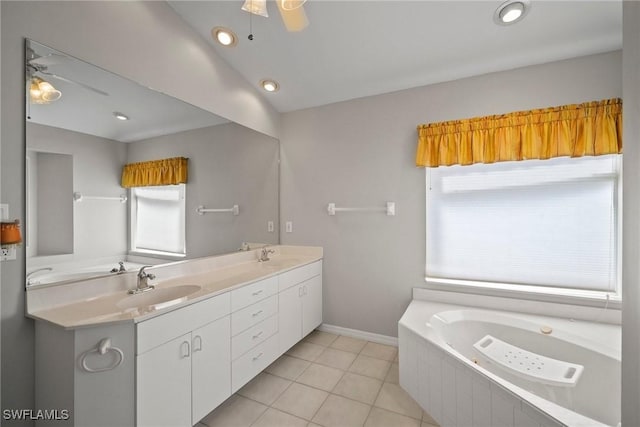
(91, 88)
(49, 59)
(294, 19)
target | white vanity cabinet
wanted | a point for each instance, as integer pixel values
(183, 364)
(299, 303)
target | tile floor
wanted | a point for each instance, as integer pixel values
(325, 380)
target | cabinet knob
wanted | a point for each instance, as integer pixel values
(257, 357)
(256, 313)
(256, 293)
(256, 336)
(197, 340)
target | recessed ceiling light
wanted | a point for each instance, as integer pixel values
(511, 12)
(120, 116)
(270, 85)
(224, 36)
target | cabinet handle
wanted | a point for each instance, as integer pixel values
(300, 291)
(256, 313)
(197, 339)
(258, 356)
(257, 335)
(185, 348)
(305, 290)
(257, 292)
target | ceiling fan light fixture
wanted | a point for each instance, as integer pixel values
(270, 85)
(42, 92)
(511, 12)
(224, 36)
(292, 4)
(257, 7)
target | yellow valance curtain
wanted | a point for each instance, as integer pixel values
(588, 129)
(155, 172)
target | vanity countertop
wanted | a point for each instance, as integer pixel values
(74, 307)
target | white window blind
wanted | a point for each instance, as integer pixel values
(158, 219)
(547, 223)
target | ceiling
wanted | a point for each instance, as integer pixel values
(353, 49)
(83, 110)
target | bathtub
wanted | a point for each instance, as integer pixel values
(65, 273)
(476, 366)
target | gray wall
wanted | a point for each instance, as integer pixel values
(99, 226)
(109, 35)
(631, 216)
(229, 164)
(362, 153)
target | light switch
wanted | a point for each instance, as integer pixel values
(288, 226)
(270, 226)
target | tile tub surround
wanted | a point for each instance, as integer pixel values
(456, 391)
(93, 302)
(303, 388)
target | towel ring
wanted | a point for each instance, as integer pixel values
(103, 347)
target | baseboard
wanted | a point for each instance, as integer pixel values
(363, 335)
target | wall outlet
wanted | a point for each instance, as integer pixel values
(288, 226)
(270, 227)
(8, 253)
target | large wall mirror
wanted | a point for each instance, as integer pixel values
(84, 124)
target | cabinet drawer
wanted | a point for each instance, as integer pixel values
(250, 338)
(159, 330)
(300, 274)
(253, 293)
(251, 363)
(255, 313)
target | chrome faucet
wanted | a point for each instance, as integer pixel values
(143, 277)
(264, 254)
(35, 271)
(119, 270)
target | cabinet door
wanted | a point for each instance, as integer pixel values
(211, 366)
(311, 304)
(290, 317)
(163, 378)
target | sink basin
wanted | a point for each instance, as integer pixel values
(280, 263)
(158, 298)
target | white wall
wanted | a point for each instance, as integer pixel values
(228, 165)
(631, 216)
(144, 41)
(362, 153)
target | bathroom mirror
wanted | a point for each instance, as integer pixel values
(77, 217)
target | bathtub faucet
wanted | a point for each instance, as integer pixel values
(35, 271)
(143, 277)
(119, 270)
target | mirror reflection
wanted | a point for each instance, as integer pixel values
(86, 218)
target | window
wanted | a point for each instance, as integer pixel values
(158, 220)
(548, 224)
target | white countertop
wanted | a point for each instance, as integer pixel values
(94, 302)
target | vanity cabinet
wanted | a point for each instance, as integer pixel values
(299, 304)
(181, 380)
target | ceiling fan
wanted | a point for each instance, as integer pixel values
(291, 11)
(42, 91)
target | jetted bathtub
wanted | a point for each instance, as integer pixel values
(471, 367)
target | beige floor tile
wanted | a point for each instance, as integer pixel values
(321, 338)
(313, 425)
(264, 388)
(352, 345)
(424, 424)
(300, 400)
(338, 411)
(370, 367)
(382, 418)
(358, 387)
(288, 367)
(274, 418)
(306, 350)
(379, 351)
(236, 411)
(397, 359)
(319, 376)
(393, 376)
(336, 358)
(395, 399)
(428, 419)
